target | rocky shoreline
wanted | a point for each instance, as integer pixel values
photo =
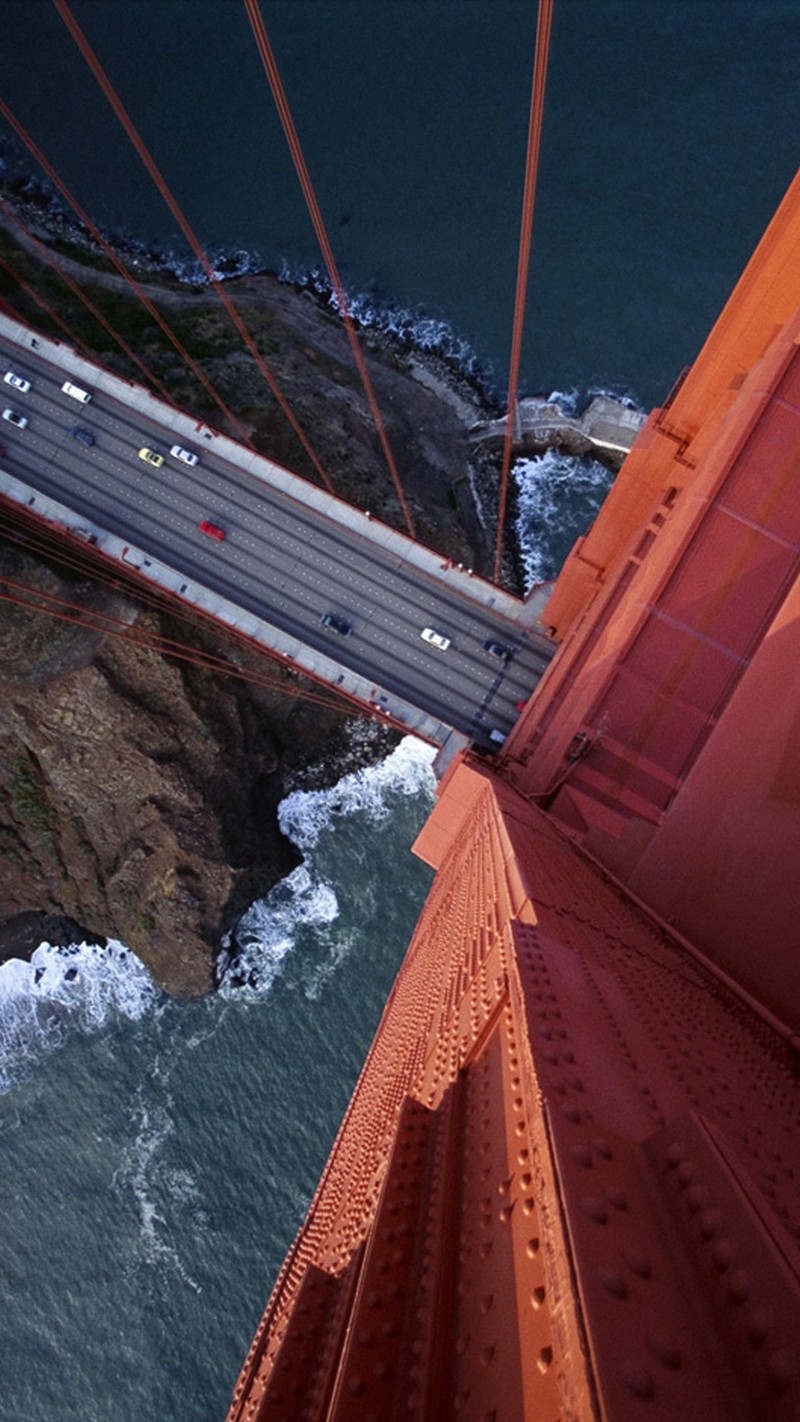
(138, 794)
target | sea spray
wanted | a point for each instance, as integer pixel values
(62, 991)
(558, 497)
(300, 912)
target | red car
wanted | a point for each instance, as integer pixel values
(211, 529)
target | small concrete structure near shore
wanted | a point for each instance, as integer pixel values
(606, 429)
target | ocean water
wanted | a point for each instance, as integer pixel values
(157, 1156)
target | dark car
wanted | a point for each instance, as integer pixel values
(499, 650)
(336, 623)
(83, 436)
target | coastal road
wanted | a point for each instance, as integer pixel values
(281, 559)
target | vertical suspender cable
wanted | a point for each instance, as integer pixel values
(543, 27)
(163, 187)
(293, 141)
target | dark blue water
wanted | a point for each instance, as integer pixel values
(669, 138)
(157, 1157)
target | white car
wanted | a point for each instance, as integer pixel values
(436, 639)
(178, 452)
(17, 381)
(13, 418)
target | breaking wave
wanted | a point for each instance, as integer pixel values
(407, 771)
(303, 911)
(62, 991)
(558, 497)
(413, 326)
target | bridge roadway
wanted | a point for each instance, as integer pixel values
(291, 552)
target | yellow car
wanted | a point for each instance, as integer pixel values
(150, 457)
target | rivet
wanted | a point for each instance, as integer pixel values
(356, 1386)
(739, 1286)
(602, 1149)
(781, 1369)
(582, 1156)
(685, 1173)
(365, 1337)
(617, 1198)
(665, 1350)
(710, 1221)
(487, 1355)
(594, 1209)
(614, 1283)
(696, 1197)
(674, 1155)
(637, 1379)
(758, 1321)
(486, 1302)
(537, 1296)
(638, 1263)
(723, 1254)
(532, 1246)
(544, 1359)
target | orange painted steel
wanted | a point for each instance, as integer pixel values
(543, 27)
(566, 1185)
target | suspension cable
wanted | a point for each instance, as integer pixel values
(115, 260)
(293, 141)
(543, 27)
(32, 599)
(46, 255)
(52, 315)
(166, 193)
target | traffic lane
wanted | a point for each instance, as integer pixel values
(120, 424)
(347, 555)
(101, 498)
(344, 579)
(436, 687)
(347, 584)
(296, 613)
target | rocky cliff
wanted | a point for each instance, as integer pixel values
(138, 792)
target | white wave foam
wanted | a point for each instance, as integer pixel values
(144, 1171)
(65, 990)
(558, 496)
(411, 325)
(304, 900)
(305, 813)
(267, 932)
